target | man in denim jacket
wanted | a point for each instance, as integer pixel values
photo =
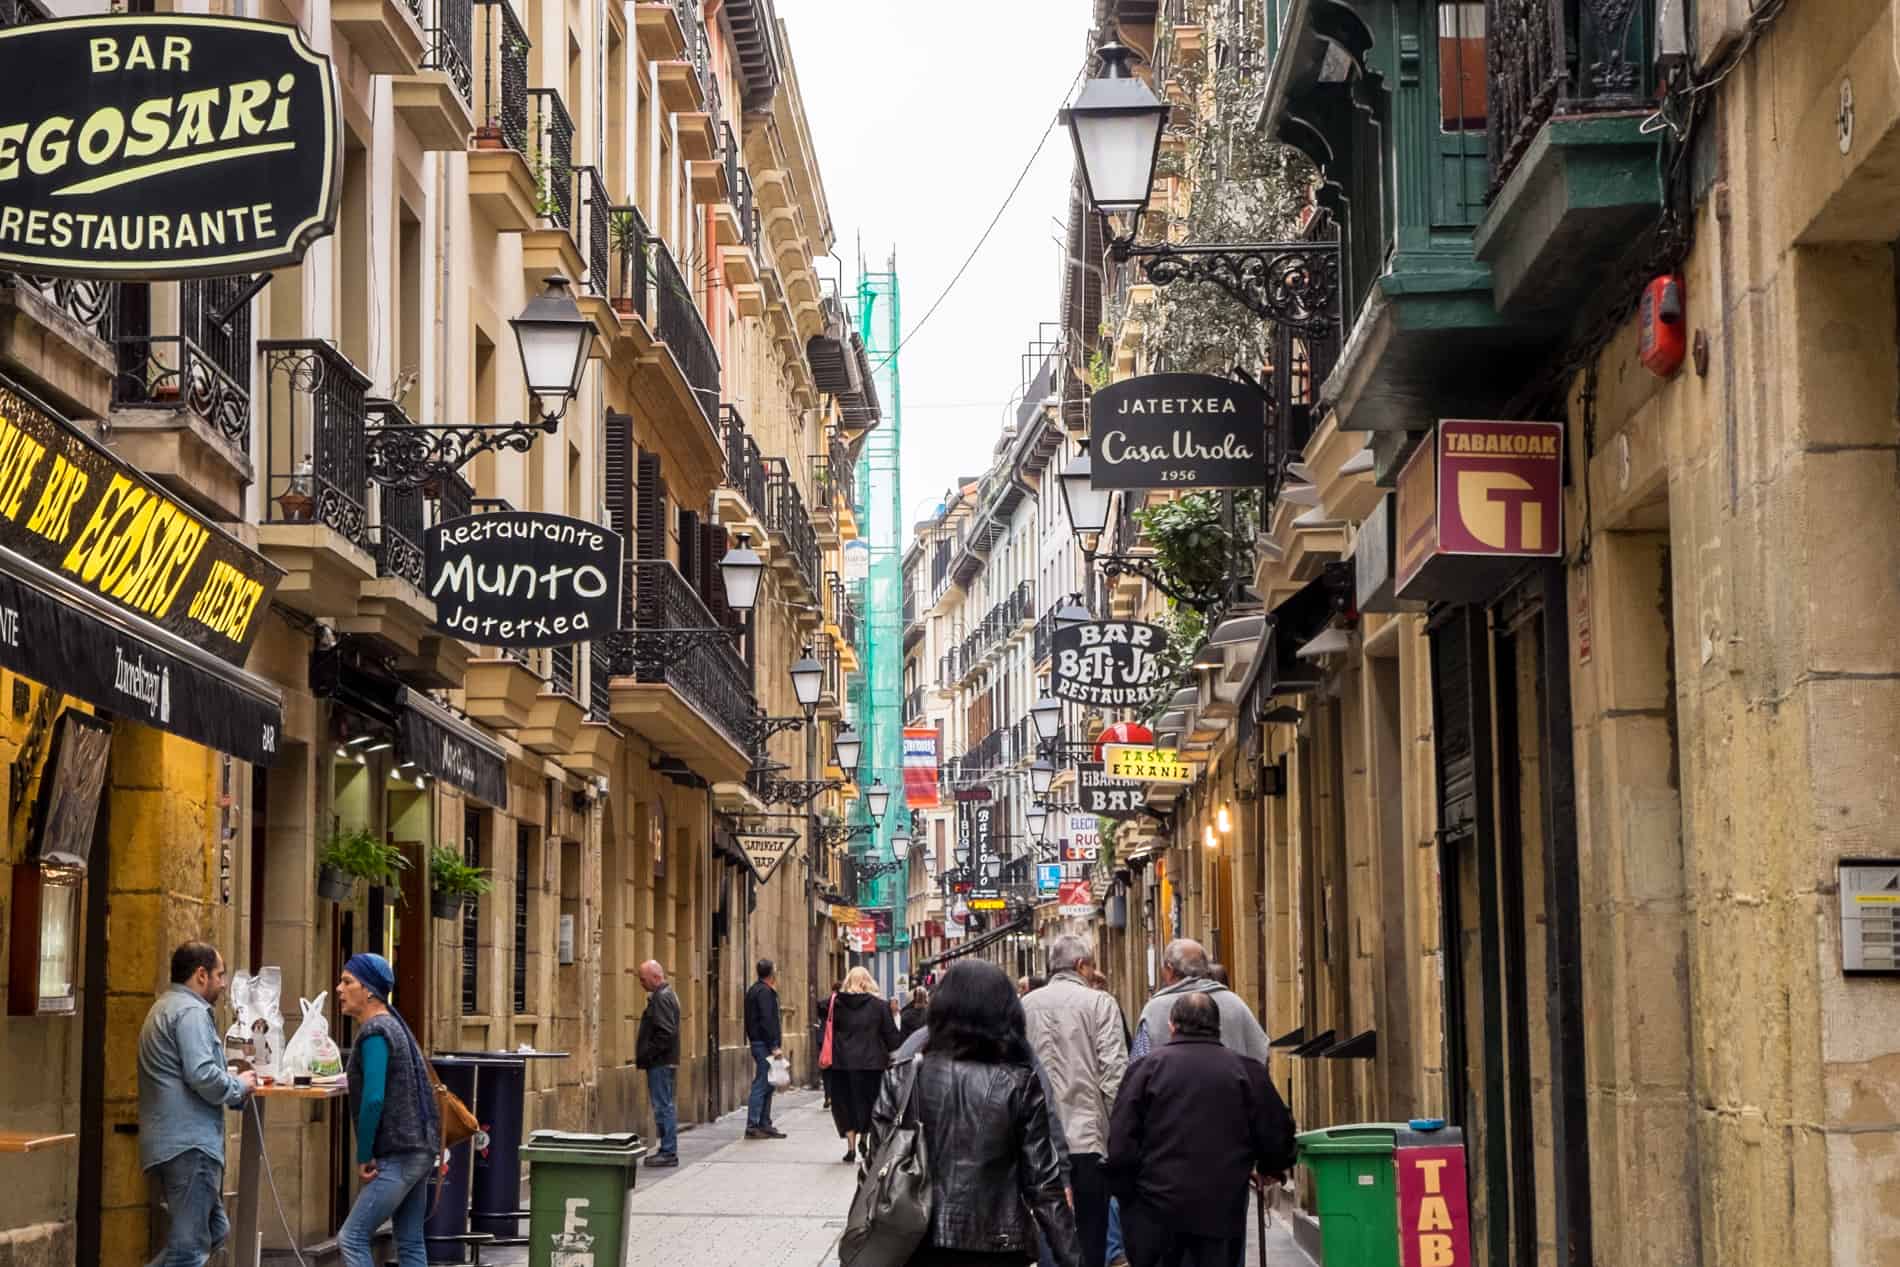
(184, 1089)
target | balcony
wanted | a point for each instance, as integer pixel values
(795, 554)
(1574, 178)
(385, 35)
(181, 391)
(914, 706)
(427, 53)
(596, 751)
(56, 333)
(831, 684)
(501, 183)
(440, 661)
(316, 523)
(392, 615)
(552, 245)
(556, 715)
(683, 330)
(696, 704)
(596, 233)
(739, 501)
(1042, 638)
(683, 78)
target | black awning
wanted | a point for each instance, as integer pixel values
(974, 944)
(61, 636)
(444, 746)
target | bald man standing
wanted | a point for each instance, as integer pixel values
(657, 1050)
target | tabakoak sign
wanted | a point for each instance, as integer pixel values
(1107, 663)
(1178, 431)
(520, 578)
(154, 146)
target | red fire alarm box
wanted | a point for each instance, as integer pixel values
(1663, 336)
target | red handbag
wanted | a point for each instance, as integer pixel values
(824, 1051)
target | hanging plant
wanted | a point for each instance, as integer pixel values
(453, 881)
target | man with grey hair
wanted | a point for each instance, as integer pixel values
(1076, 1033)
(1185, 970)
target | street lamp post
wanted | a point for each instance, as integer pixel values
(807, 678)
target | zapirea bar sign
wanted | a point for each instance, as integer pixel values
(157, 146)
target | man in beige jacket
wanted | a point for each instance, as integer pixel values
(1076, 1031)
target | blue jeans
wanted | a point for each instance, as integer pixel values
(758, 1105)
(397, 1194)
(193, 1183)
(1115, 1248)
(666, 1116)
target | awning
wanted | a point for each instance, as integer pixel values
(54, 631)
(446, 747)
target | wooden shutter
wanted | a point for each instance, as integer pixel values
(650, 519)
(692, 561)
(712, 587)
(1455, 722)
(617, 472)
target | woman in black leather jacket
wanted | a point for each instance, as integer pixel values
(995, 1178)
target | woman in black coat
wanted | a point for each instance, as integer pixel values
(911, 1019)
(863, 1036)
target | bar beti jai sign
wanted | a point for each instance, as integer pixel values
(152, 146)
(1475, 501)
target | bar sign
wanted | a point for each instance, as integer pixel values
(1434, 1222)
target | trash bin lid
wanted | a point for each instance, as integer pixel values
(581, 1139)
(1355, 1137)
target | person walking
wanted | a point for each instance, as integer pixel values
(821, 1018)
(1076, 1031)
(398, 1125)
(911, 1019)
(863, 1036)
(184, 1089)
(656, 1049)
(763, 1032)
(996, 1181)
(1185, 970)
(1194, 1122)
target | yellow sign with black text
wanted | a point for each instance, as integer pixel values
(1145, 765)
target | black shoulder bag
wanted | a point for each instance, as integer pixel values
(890, 1214)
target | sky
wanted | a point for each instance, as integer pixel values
(923, 117)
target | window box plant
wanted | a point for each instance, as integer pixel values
(352, 855)
(454, 882)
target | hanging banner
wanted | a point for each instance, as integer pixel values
(521, 578)
(1120, 799)
(986, 889)
(1076, 899)
(1178, 431)
(765, 850)
(1107, 663)
(920, 768)
(1146, 765)
(77, 510)
(155, 146)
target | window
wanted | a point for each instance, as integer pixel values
(1461, 103)
(524, 839)
(471, 916)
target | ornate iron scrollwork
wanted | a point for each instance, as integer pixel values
(1295, 284)
(793, 791)
(758, 728)
(407, 456)
(631, 650)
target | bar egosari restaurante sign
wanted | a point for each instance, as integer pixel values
(1108, 663)
(162, 145)
(1178, 431)
(520, 578)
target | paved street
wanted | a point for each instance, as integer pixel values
(736, 1202)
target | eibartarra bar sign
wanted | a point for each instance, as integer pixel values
(150, 146)
(519, 578)
(1178, 431)
(1107, 663)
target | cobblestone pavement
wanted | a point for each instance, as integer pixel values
(735, 1202)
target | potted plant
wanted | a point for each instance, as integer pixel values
(623, 236)
(351, 855)
(452, 881)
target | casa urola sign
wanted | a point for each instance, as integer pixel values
(1178, 431)
(153, 146)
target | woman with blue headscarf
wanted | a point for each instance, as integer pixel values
(398, 1128)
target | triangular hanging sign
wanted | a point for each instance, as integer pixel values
(765, 850)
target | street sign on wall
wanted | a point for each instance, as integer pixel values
(1107, 663)
(521, 578)
(153, 146)
(1178, 431)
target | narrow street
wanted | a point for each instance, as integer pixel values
(735, 1202)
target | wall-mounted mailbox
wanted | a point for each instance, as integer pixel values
(1870, 917)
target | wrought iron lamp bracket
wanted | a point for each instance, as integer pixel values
(1294, 284)
(755, 730)
(839, 833)
(405, 456)
(631, 650)
(1059, 750)
(794, 791)
(1114, 565)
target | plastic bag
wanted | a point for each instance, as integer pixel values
(312, 1052)
(778, 1072)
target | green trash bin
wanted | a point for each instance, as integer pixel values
(577, 1205)
(1355, 1192)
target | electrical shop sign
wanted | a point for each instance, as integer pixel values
(521, 578)
(1178, 431)
(1108, 663)
(765, 850)
(1119, 799)
(154, 146)
(1475, 500)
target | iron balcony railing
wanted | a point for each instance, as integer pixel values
(710, 676)
(452, 44)
(316, 461)
(1042, 640)
(914, 705)
(551, 134)
(595, 232)
(683, 330)
(454, 497)
(563, 678)
(600, 672)
(833, 476)
(88, 303)
(738, 185)
(1022, 741)
(785, 516)
(204, 367)
(745, 467)
(999, 624)
(400, 516)
(1549, 57)
(503, 108)
(910, 606)
(848, 622)
(628, 238)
